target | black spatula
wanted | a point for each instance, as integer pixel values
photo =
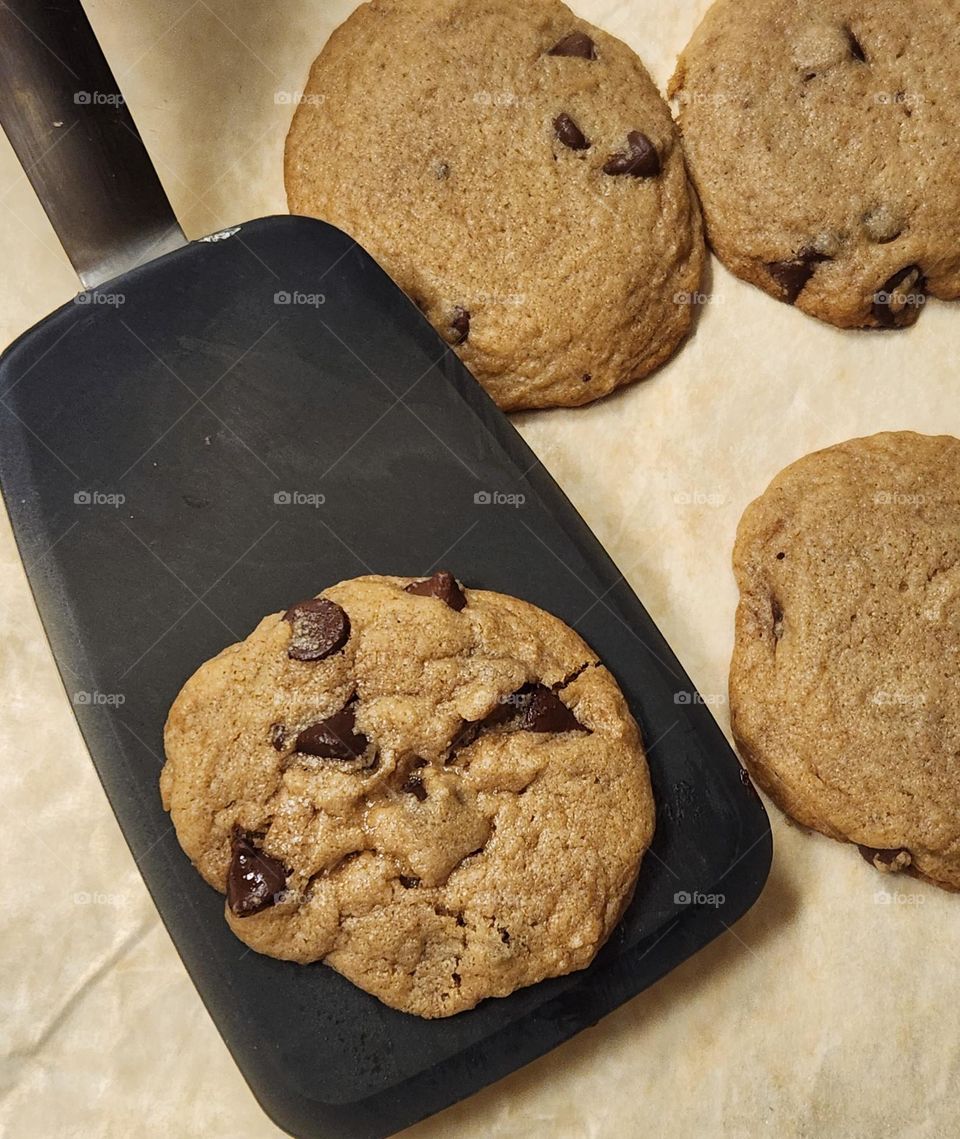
(208, 436)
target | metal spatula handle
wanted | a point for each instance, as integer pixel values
(63, 112)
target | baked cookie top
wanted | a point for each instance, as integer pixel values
(516, 171)
(438, 791)
(824, 140)
(843, 687)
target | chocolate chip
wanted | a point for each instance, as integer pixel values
(278, 736)
(856, 48)
(333, 738)
(460, 324)
(455, 977)
(546, 712)
(414, 786)
(254, 880)
(900, 299)
(576, 45)
(792, 276)
(505, 709)
(569, 133)
(409, 883)
(640, 160)
(320, 628)
(443, 586)
(899, 859)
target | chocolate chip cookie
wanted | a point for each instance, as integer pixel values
(824, 139)
(843, 687)
(438, 791)
(516, 171)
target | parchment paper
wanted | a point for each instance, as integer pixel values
(824, 1013)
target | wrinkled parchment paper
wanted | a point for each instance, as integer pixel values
(825, 1012)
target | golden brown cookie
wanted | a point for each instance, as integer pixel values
(844, 681)
(439, 792)
(824, 140)
(516, 171)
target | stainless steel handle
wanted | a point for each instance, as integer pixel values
(63, 112)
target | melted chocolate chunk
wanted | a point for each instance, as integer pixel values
(888, 859)
(505, 709)
(569, 133)
(792, 276)
(255, 881)
(409, 883)
(320, 628)
(333, 738)
(460, 325)
(856, 48)
(900, 299)
(414, 786)
(443, 586)
(546, 712)
(640, 160)
(278, 736)
(576, 45)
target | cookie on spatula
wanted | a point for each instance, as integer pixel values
(438, 791)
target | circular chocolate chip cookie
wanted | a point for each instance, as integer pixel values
(843, 687)
(824, 139)
(516, 171)
(439, 792)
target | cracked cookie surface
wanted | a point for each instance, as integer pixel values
(824, 140)
(847, 658)
(517, 172)
(438, 791)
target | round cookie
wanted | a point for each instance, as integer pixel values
(439, 792)
(516, 171)
(824, 140)
(844, 680)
